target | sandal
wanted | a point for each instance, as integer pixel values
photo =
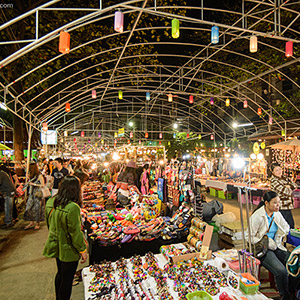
(29, 226)
(36, 227)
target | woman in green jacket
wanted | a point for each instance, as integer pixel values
(65, 241)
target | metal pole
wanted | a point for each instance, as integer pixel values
(248, 219)
(28, 152)
(241, 215)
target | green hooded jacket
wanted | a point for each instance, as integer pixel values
(65, 238)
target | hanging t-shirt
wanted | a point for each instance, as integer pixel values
(58, 176)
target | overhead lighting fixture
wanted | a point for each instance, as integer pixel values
(245, 125)
(74, 132)
(235, 125)
(3, 106)
(175, 125)
(130, 124)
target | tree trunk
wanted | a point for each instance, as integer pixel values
(18, 144)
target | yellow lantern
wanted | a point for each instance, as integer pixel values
(227, 102)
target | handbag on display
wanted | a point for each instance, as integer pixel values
(261, 247)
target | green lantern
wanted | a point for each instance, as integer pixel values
(175, 28)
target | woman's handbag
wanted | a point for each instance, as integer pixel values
(20, 191)
(45, 191)
(261, 247)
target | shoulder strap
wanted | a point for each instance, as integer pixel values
(270, 224)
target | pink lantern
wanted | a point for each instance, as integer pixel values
(211, 101)
(270, 121)
(82, 134)
(245, 104)
(191, 99)
(289, 49)
(160, 135)
(211, 136)
(94, 94)
(119, 21)
(131, 134)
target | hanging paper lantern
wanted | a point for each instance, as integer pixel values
(116, 134)
(99, 134)
(215, 35)
(289, 49)
(102, 141)
(259, 111)
(170, 97)
(227, 102)
(146, 134)
(82, 134)
(270, 120)
(45, 126)
(175, 28)
(64, 42)
(160, 135)
(191, 99)
(89, 141)
(199, 137)
(282, 132)
(159, 142)
(74, 140)
(68, 107)
(148, 96)
(277, 101)
(119, 21)
(120, 95)
(131, 134)
(169, 143)
(245, 103)
(187, 135)
(211, 136)
(211, 101)
(94, 94)
(253, 44)
(174, 135)
(128, 141)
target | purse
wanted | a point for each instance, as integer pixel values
(261, 247)
(45, 191)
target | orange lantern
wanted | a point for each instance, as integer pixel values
(146, 134)
(128, 141)
(191, 99)
(45, 126)
(64, 42)
(68, 107)
(259, 111)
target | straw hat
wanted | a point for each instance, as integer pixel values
(131, 164)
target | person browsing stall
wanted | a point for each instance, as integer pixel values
(58, 174)
(266, 219)
(65, 241)
(284, 187)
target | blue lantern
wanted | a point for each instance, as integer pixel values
(148, 96)
(174, 135)
(215, 35)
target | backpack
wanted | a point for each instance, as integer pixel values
(211, 209)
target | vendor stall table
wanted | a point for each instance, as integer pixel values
(88, 276)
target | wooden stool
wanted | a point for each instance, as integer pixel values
(272, 285)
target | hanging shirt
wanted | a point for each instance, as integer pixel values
(274, 227)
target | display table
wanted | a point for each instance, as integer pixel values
(87, 276)
(216, 184)
(293, 240)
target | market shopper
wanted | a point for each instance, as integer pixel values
(284, 187)
(65, 240)
(145, 179)
(34, 211)
(267, 219)
(58, 174)
(7, 189)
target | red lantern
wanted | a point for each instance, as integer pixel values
(94, 94)
(45, 126)
(82, 134)
(259, 111)
(68, 107)
(160, 142)
(74, 140)
(211, 136)
(64, 42)
(289, 49)
(160, 135)
(191, 99)
(146, 134)
(187, 135)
